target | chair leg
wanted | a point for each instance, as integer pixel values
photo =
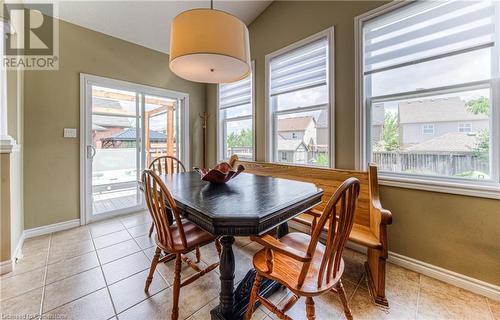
(218, 246)
(152, 269)
(177, 287)
(310, 313)
(253, 296)
(151, 229)
(343, 298)
(198, 254)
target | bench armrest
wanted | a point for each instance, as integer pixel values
(385, 215)
(278, 246)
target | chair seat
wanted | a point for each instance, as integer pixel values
(286, 270)
(194, 237)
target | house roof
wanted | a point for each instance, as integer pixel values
(436, 110)
(130, 135)
(448, 142)
(289, 144)
(295, 123)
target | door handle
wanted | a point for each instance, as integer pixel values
(90, 152)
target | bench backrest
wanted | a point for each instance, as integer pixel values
(325, 178)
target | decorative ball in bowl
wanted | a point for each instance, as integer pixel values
(222, 173)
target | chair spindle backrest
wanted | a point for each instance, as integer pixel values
(167, 165)
(159, 200)
(339, 214)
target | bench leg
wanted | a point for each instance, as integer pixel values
(375, 270)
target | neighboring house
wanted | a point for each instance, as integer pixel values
(104, 126)
(298, 128)
(292, 150)
(127, 139)
(295, 137)
(423, 120)
(322, 130)
(378, 118)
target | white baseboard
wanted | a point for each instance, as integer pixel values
(5, 266)
(456, 279)
(8, 266)
(18, 248)
(39, 231)
(459, 280)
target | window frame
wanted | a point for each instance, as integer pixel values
(363, 105)
(271, 116)
(221, 122)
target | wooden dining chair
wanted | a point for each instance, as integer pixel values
(165, 165)
(178, 238)
(303, 264)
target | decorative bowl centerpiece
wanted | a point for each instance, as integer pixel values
(222, 173)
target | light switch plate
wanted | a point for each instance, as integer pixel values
(70, 132)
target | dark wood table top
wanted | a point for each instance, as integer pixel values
(247, 205)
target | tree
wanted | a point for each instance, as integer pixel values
(240, 139)
(482, 144)
(390, 132)
(322, 160)
(478, 106)
(481, 147)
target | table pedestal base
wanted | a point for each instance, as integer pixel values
(234, 304)
(242, 295)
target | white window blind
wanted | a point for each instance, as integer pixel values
(299, 95)
(235, 94)
(426, 29)
(235, 131)
(301, 68)
(430, 83)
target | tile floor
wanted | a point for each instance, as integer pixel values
(98, 272)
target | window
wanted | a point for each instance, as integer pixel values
(236, 119)
(298, 105)
(465, 127)
(428, 68)
(428, 129)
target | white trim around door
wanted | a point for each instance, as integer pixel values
(140, 90)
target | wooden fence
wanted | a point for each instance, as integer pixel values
(448, 164)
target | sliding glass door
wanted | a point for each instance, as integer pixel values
(124, 127)
(114, 152)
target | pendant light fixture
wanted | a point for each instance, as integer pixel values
(209, 46)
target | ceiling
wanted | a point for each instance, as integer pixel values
(146, 23)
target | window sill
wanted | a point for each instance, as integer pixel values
(491, 190)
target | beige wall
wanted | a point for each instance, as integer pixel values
(458, 233)
(52, 102)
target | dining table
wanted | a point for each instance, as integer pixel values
(248, 205)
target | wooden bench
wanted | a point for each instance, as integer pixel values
(370, 221)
